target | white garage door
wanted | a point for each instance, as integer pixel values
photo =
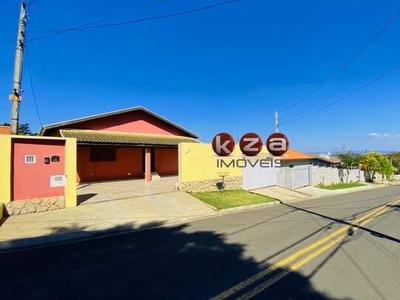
(257, 177)
(301, 177)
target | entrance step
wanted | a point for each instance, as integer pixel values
(155, 176)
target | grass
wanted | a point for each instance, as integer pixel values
(339, 186)
(228, 199)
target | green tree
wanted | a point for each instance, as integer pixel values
(395, 159)
(386, 167)
(374, 163)
(348, 162)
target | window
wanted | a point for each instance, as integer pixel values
(99, 154)
(30, 159)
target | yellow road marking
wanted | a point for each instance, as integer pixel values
(282, 263)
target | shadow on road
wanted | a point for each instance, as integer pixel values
(160, 263)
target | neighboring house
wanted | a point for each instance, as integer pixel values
(5, 130)
(295, 170)
(326, 160)
(129, 143)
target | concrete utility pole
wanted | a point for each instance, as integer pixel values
(276, 121)
(15, 97)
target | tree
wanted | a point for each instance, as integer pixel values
(348, 162)
(23, 129)
(386, 167)
(395, 159)
(374, 163)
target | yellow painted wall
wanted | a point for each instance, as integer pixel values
(70, 172)
(199, 162)
(5, 169)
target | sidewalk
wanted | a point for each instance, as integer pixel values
(314, 192)
(100, 218)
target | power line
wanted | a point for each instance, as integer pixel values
(345, 97)
(353, 57)
(76, 27)
(164, 16)
(32, 86)
(58, 31)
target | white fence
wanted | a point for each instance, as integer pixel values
(328, 175)
(290, 177)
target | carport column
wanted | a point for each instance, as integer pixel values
(147, 168)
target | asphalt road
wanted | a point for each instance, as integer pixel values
(343, 247)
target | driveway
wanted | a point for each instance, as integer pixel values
(89, 193)
(112, 206)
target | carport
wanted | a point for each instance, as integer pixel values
(104, 155)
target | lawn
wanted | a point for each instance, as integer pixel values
(339, 186)
(228, 199)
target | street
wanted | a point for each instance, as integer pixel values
(342, 247)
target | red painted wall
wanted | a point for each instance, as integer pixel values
(129, 160)
(166, 161)
(33, 180)
(137, 121)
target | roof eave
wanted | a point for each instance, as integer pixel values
(121, 111)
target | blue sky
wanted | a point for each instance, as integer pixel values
(226, 69)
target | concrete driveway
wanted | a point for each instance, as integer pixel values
(118, 205)
(94, 192)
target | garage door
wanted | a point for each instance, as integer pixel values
(301, 177)
(257, 177)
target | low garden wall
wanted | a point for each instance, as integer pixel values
(230, 183)
(34, 205)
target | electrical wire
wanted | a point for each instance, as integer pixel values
(344, 97)
(53, 32)
(164, 16)
(342, 67)
(76, 27)
(32, 86)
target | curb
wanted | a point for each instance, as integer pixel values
(77, 237)
(59, 239)
(348, 191)
(248, 207)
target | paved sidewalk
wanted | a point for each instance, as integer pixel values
(100, 217)
(315, 192)
(280, 193)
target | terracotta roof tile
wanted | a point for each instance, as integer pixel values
(124, 138)
(295, 155)
(5, 130)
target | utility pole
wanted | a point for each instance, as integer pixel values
(15, 97)
(276, 121)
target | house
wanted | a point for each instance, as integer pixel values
(5, 129)
(326, 160)
(128, 143)
(295, 170)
